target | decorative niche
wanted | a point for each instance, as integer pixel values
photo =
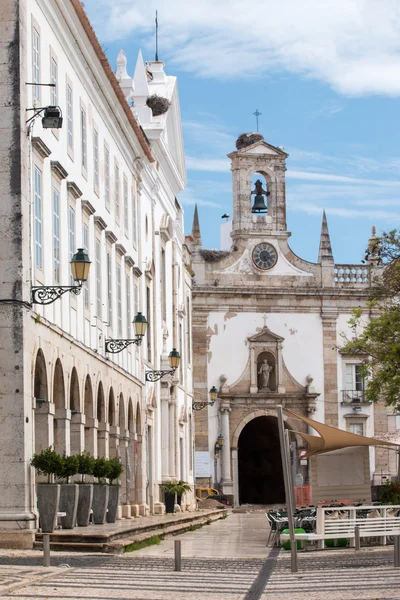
(266, 365)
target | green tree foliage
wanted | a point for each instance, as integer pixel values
(69, 467)
(48, 462)
(115, 469)
(101, 469)
(85, 464)
(377, 339)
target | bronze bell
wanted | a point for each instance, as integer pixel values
(259, 203)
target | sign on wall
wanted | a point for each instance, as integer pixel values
(202, 464)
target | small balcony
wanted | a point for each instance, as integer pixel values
(353, 397)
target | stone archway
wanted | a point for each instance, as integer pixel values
(260, 477)
(43, 432)
(61, 423)
(77, 431)
(90, 428)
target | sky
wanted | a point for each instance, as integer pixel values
(324, 75)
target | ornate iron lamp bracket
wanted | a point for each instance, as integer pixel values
(156, 375)
(115, 346)
(47, 294)
(201, 405)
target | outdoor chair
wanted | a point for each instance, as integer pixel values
(278, 521)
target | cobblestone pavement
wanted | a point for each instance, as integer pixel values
(210, 571)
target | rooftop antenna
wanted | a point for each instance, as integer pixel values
(257, 114)
(156, 35)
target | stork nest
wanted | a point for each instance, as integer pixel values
(158, 105)
(213, 255)
(247, 139)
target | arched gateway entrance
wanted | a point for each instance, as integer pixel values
(259, 462)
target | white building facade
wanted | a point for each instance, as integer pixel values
(267, 329)
(101, 184)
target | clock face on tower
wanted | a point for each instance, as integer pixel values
(264, 256)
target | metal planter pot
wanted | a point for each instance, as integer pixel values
(113, 501)
(69, 503)
(100, 503)
(84, 504)
(48, 496)
(169, 503)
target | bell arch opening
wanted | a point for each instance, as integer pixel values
(259, 194)
(259, 463)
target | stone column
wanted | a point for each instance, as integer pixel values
(77, 433)
(253, 371)
(44, 431)
(102, 440)
(227, 483)
(91, 427)
(329, 341)
(165, 396)
(62, 422)
(171, 453)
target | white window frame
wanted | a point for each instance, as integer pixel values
(69, 93)
(71, 235)
(84, 148)
(38, 216)
(53, 79)
(99, 304)
(117, 192)
(56, 235)
(119, 299)
(36, 58)
(126, 208)
(107, 176)
(109, 286)
(128, 304)
(96, 174)
(85, 244)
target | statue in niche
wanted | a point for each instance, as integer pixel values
(264, 373)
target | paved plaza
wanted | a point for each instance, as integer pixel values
(226, 560)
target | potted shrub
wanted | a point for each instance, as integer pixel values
(85, 467)
(170, 490)
(390, 493)
(69, 491)
(100, 490)
(48, 463)
(114, 472)
(182, 487)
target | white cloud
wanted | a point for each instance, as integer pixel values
(348, 213)
(353, 45)
(312, 176)
(207, 164)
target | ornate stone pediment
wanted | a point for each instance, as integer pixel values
(265, 335)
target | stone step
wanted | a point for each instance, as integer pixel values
(115, 542)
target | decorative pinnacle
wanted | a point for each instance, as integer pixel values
(325, 249)
(196, 227)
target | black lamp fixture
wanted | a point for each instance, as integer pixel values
(80, 266)
(219, 443)
(174, 358)
(51, 119)
(140, 325)
(213, 398)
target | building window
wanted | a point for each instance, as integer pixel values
(98, 281)
(181, 353)
(56, 235)
(163, 285)
(119, 300)
(188, 328)
(36, 64)
(357, 428)
(85, 242)
(83, 139)
(70, 130)
(109, 288)
(116, 184)
(128, 305)
(53, 79)
(354, 383)
(107, 177)
(71, 223)
(134, 221)
(37, 190)
(96, 160)
(126, 214)
(148, 332)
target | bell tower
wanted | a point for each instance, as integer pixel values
(261, 211)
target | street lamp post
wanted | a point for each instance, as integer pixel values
(174, 359)
(47, 294)
(213, 396)
(140, 325)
